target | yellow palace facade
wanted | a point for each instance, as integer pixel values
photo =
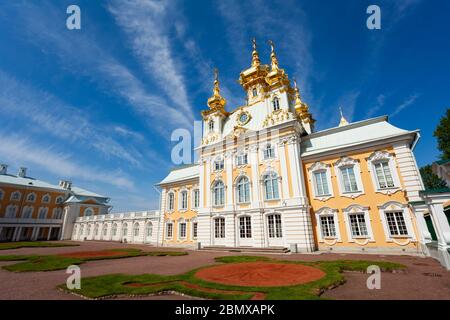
(266, 179)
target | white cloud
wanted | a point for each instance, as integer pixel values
(18, 149)
(405, 104)
(379, 103)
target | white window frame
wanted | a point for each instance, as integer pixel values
(222, 228)
(276, 234)
(41, 210)
(181, 205)
(358, 209)
(89, 209)
(57, 213)
(193, 235)
(59, 199)
(8, 211)
(167, 230)
(326, 211)
(194, 198)
(276, 104)
(221, 164)
(25, 209)
(254, 92)
(273, 152)
(249, 196)
(345, 162)
(114, 228)
(180, 223)
(263, 180)
(241, 155)
(170, 193)
(394, 206)
(383, 156)
(34, 197)
(320, 167)
(211, 126)
(13, 196)
(215, 204)
(247, 225)
(48, 197)
(124, 229)
(148, 226)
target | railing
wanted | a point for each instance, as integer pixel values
(119, 216)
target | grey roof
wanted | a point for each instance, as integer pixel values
(181, 174)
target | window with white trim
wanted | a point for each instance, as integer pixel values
(245, 227)
(96, 230)
(46, 198)
(27, 212)
(184, 200)
(218, 193)
(276, 104)
(15, 196)
(125, 230)
(171, 201)
(42, 213)
(114, 229)
(328, 226)
(358, 224)
(396, 223)
(169, 230)
(242, 159)
(211, 126)
(274, 225)
(89, 230)
(218, 164)
(268, 152)
(136, 230)
(270, 181)
(105, 231)
(196, 198)
(31, 197)
(57, 213)
(255, 92)
(321, 183)
(88, 212)
(219, 228)
(182, 232)
(59, 200)
(243, 190)
(11, 211)
(194, 230)
(349, 183)
(383, 174)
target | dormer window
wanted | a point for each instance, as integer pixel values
(255, 92)
(211, 126)
(276, 104)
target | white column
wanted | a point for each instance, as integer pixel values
(201, 182)
(16, 235)
(298, 183)
(284, 171)
(208, 183)
(49, 233)
(229, 178)
(441, 224)
(255, 176)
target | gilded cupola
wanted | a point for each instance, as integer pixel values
(254, 77)
(216, 102)
(302, 111)
(276, 77)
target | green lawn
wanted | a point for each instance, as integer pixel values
(34, 244)
(30, 263)
(187, 283)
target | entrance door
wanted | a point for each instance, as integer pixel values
(219, 231)
(245, 231)
(274, 230)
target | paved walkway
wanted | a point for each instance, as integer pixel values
(425, 278)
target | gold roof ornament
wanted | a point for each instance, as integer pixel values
(255, 75)
(255, 56)
(343, 121)
(302, 108)
(276, 76)
(273, 56)
(216, 102)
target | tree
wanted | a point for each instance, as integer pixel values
(442, 133)
(430, 180)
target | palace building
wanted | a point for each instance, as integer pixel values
(267, 179)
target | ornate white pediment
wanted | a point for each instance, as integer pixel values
(318, 166)
(345, 161)
(276, 117)
(379, 155)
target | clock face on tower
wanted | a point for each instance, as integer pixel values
(243, 118)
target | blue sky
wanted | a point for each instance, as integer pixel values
(98, 105)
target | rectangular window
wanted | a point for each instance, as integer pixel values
(349, 179)
(384, 175)
(396, 223)
(245, 227)
(358, 225)
(328, 226)
(184, 200)
(169, 230)
(321, 183)
(242, 159)
(196, 198)
(269, 152)
(171, 201)
(274, 222)
(183, 230)
(194, 230)
(219, 228)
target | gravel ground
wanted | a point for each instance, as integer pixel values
(424, 279)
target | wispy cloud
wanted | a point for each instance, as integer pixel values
(405, 104)
(145, 23)
(379, 103)
(18, 149)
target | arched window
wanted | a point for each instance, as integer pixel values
(57, 213)
(276, 104)
(81, 231)
(105, 230)
(219, 193)
(16, 195)
(125, 229)
(46, 198)
(89, 230)
(88, 212)
(243, 190)
(59, 200)
(31, 197)
(149, 229)
(211, 126)
(271, 186)
(218, 164)
(27, 212)
(11, 211)
(269, 152)
(136, 230)
(183, 200)
(96, 230)
(114, 229)
(171, 201)
(42, 214)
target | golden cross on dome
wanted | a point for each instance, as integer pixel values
(216, 74)
(254, 44)
(272, 46)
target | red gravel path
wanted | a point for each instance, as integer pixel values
(92, 254)
(260, 274)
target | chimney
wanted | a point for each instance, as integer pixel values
(3, 169)
(65, 184)
(22, 172)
